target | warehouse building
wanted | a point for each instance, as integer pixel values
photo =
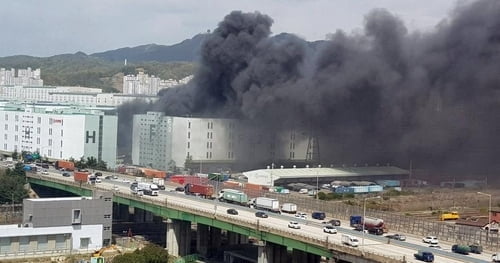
(319, 175)
(162, 142)
(59, 131)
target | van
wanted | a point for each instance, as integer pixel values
(349, 240)
(318, 215)
(303, 191)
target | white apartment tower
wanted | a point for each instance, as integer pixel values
(143, 84)
(59, 132)
(25, 77)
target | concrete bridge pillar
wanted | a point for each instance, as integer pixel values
(202, 238)
(139, 215)
(272, 253)
(215, 237)
(148, 217)
(121, 212)
(299, 256)
(178, 237)
(236, 239)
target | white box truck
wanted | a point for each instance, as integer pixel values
(289, 208)
(349, 240)
(264, 203)
(148, 189)
(159, 182)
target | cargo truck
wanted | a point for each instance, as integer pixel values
(371, 223)
(289, 208)
(144, 188)
(449, 216)
(159, 182)
(264, 203)
(83, 177)
(205, 191)
(64, 165)
(233, 196)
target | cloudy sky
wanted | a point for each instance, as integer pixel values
(45, 28)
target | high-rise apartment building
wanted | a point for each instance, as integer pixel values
(144, 84)
(25, 77)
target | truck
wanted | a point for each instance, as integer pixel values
(144, 188)
(203, 190)
(495, 257)
(449, 216)
(425, 256)
(83, 177)
(264, 203)
(64, 165)
(159, 182)
(349, 240)
(233, 196)
(289, 208)
(460, 249)
(370, 223)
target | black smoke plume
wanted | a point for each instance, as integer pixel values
(385, 95)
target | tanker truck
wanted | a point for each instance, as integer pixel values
(372, 224)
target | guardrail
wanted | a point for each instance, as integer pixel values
(326, 243)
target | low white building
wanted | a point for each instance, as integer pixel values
(59, 131)
(161, 142)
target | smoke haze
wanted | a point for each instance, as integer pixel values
(382, 95)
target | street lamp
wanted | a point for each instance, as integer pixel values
(489, 214)
(364, 217)
(317, 182)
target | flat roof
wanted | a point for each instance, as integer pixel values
(52, 199)
(328, 172)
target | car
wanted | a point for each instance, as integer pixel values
(45, 172)
(330, 229)
(115, 177)
(261, 214)
(333, 222)
(107, 177)
(301, 215)
(397, 237)
(232, 211)
(46, 166)
(179, 189)
(98, 174)
(98, 180)
(66, 174)
(318, 215)
(126, 181)
(430, 240)
(294, 225)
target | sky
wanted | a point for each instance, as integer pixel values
(46, 28)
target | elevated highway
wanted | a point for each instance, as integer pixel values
(276, 240)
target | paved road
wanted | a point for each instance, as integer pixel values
(311, 228)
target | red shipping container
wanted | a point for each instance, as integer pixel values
(81, 176)
(203, 190)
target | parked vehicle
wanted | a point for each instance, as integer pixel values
(318, 215)
(159, 182)
(460, 249)
(264, 203)
(397, 237)
(476, 248)
(261, 214)
(233, 196)
(449, 216)
(349, 240)
(205, 191)
(62, 164)
(294, 225)
(289, 208)
(430, 240)
(330, 229)
(232, 211)
(425, 256)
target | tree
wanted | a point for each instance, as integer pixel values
(12, 186)
(101, 165)
(80, 164)
(15, 155)
(149, 254)
(91, 162)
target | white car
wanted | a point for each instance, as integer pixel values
(293, 224)
(45, 172)
(330, 229)
(301, 215)
(430, 240)
(98, 180)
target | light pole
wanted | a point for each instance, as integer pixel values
(364, 217)
(317, 182)
(489, 214)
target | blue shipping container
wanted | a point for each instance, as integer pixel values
(389, 183)
(375, 188)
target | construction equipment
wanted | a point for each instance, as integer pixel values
(98, 253)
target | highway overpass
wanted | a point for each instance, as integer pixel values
(277, 242)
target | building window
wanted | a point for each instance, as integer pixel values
(37, 140)
(61, 143)
(5, 137)
(207, 123)
(189, 125)
(50, 142)
(84, 242)
(210, 155)
(108, 199)
(17, 128)
(16, 138)
(189, 144)
(62, 133)
(6, 126)
(207, 142)
(24, 243)
(106, 228)
(17, 117)
(43, 243)
(210, 145)
(76, 217)
(107, 216)
(50, 131)
(207, 155)
(60, 242)
(39, 120)
(210, 135)
(4, 243)
(38, 130)
(189, 135)
(6, 117)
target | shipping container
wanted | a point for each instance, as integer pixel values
(233, 196)
(205, 191)
(66, 165)
(265, 203)
(81, 176)
(375, 188)
(289, 208)
(389, 183)
(152, 173)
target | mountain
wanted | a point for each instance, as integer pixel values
(186, 50)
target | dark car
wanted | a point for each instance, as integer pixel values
(318, 215)
(98, 174)
(261, 214)
(476, 248)
(66, 174)
(108, 177)
(333, 222)
(179, 189)
(232, 211)
(397, 237)
(46, 166)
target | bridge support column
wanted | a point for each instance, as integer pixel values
(148, 217)
(121, 212)
(236, 239)
(299, 256)
(215, 237)
(202, 236)
(139, 215)
(178, 237)
(272, 253)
